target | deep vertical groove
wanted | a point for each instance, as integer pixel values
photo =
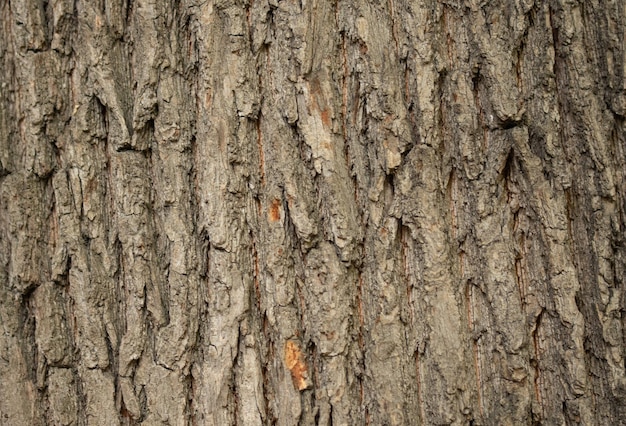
(469, 296)
(394, 31)
(420, 392)
(537, 381)
(406, 271)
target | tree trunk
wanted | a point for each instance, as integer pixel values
(402, 212)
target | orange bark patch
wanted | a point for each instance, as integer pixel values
(294, 360)
(326, 118)
(274, 211)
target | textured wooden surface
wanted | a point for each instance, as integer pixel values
(396, 212)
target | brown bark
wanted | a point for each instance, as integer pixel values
(326, 212)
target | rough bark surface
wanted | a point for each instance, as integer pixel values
(258, 212)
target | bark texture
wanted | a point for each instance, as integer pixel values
(259, 212)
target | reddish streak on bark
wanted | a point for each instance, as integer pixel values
(257, 288)
(344, 88)
(259, 141)
(407, 272)
(448, 37)
(452, 193)
(481, 117)
(359, 306)
(325, 118)
(470, 320)
(125, 413)
(393, 25)
(418, 376)
(274, 211)
(360, 311)
(54, 226)
(248, 17)
(519, 273)
(537, 381)
(208, 98)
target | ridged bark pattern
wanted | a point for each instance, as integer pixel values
(298, 212)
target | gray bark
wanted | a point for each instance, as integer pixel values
(312, 212)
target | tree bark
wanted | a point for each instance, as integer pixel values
(312, 212)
